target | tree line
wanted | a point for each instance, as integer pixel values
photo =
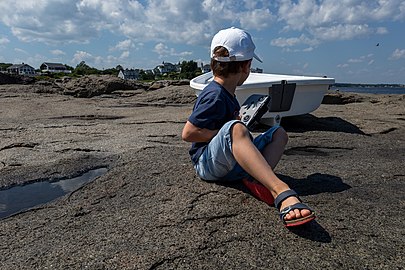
(189, 70)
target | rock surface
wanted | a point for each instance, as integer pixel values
(150, 211)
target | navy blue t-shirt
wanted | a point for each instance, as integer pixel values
(214, 107)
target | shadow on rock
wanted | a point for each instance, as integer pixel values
(315, 184)
(308, 122)
(312, 231)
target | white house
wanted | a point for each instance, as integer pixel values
(205, 68)
(129, 74)
(54, 68)
(167, 67)
(21, 69)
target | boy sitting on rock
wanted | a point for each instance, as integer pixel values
(222, 147)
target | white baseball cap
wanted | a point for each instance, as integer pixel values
(238, 42)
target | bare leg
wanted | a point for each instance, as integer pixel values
(254, 163)
(274, 150)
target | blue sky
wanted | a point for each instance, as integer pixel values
(302, 37)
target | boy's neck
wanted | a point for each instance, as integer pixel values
(234, 80)
(230, 83)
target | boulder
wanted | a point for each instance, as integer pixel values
(338, 98)
(93, 85)
(6, 78)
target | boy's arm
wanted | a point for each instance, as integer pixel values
(192, 133)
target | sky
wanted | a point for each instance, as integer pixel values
(353, 41)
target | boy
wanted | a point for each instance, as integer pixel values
(222, 147)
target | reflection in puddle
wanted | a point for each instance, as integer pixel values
(19, 198)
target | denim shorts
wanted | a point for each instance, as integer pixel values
(217, 162)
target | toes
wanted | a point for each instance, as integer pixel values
(297, 213)
(305, 212)
(292, 215)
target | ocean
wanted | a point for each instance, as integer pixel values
(371, 90)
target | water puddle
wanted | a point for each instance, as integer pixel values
(20, 198)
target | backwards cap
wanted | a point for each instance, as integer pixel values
(238, 42)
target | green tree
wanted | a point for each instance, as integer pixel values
(146, 76)
(4, 66)
(110, 71)
(69, 67)
(83, 69)
(189, 69)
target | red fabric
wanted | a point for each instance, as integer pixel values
(259, 191)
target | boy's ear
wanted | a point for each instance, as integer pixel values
(246, 66)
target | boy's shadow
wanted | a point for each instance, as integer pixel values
(309, 122)
(313, 184)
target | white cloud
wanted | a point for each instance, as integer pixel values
(285, 42)
(4, 41)
(124, 45)
(328, 20)
(185, 53)
(195, 21)
(163, 50)
(294, 41)
(398, 54)
(381, 30)
(94, 60)
(303, 14)
(177, 21)
(256, 19)
(20, 51)
(355, 60)
(309, 49)
(361, 59)
(80, 56)
(58, 52)
(341, 32)
(125, 55)
(46, 21)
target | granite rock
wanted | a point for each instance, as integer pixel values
(150, 211)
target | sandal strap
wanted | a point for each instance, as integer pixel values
(287, 210)
(284, 195)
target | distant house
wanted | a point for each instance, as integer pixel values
(21, 69)
(167, 67)
(205, 68)
(129, 74)
(54, 68)
(149, 72)
(256, 70)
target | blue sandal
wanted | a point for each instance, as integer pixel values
(295, 222)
